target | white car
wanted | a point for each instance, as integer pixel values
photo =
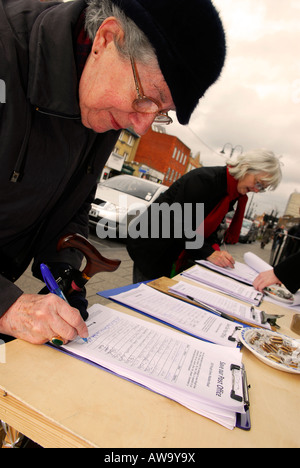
(118, 201)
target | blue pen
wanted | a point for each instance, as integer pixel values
(51, 283)
(55, 289)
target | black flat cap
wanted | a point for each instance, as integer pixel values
(189, 41)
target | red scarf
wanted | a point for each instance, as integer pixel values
(216, 216)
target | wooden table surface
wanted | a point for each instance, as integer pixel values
(59, 401)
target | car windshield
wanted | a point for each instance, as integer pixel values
(134, 186)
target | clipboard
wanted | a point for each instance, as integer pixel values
(243, 421)
(113, 292)
(164, 284)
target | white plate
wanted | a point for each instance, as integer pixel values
(249, 339)
(279, 293)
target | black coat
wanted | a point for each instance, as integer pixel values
(288, 272)
(154, 257)
(49, 161)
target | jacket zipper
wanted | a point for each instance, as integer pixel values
(55, 114)
(16, 175)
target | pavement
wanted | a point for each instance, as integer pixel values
(123, 275)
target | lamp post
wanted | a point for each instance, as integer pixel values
(232, 149)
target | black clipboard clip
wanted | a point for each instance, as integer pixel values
(259, 297)
(271, 319)
(232, 337)
(240, 392)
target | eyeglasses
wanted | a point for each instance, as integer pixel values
(146, 105)
(259, 186)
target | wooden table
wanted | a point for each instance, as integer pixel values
(59, 401)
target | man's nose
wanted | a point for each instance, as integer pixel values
(141, 122)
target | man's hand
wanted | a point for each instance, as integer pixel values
(222, 259)
(264, 279)
(37, 319)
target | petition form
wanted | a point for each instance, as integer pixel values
(226, 285)
(241, 311)
(187, 317)
(204, 377)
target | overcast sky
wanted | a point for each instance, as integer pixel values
(256, 101)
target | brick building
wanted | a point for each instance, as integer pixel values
(162, 153)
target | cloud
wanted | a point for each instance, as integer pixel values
(256, 101)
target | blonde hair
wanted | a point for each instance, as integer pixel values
(255, 162)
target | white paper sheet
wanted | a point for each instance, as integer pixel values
(256, 263)
(241, 311)
(226, 285)
(186, 317)
(194, 373)
(240, 272)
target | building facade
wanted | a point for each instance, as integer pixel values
(293, 205)
(160, 157)
(124, 152)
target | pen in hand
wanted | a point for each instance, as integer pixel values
(55, 289)
(229, 257)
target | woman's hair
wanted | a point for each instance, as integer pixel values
(135, 42)
(255, 162)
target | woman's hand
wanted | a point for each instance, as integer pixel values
(222, 259)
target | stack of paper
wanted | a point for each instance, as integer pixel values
(224, 284)
(256, 263)
(245, 272)
(240, 272)
(242, 312)
(186, 317)
(206, 378)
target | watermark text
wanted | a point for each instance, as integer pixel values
(161, 221)
(2, 92)
(2, 352)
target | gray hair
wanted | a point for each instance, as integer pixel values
(135, 43)
(255, 162)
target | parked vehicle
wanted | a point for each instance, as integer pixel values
(248, 232)
(118, 201)
(228, 218)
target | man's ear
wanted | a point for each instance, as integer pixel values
(109, 31)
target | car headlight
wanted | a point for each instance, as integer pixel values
(115, 208)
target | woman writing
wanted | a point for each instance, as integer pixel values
(218, 189)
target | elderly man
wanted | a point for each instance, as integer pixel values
(75, 74)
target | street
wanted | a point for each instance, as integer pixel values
(113, 249)
(237, 250)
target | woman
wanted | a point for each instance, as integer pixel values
(218, 189)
